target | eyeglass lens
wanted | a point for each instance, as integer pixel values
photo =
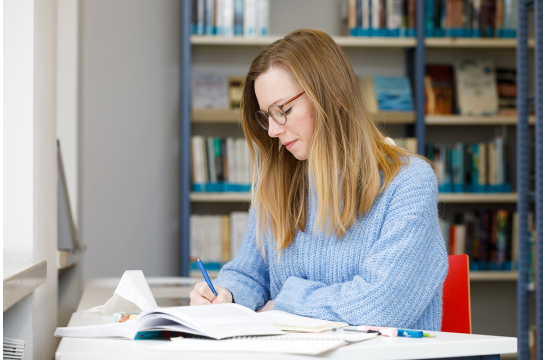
(276, 113)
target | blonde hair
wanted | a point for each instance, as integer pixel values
(345, 172)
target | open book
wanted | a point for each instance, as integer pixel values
(217, 322)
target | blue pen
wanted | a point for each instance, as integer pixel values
(410, 333)
(205, 274)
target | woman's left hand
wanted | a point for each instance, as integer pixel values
(268, 306)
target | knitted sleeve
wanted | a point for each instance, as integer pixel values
(404, 271)
(247, 275)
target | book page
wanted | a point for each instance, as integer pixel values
(219, 321)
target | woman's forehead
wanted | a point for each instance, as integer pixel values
(274, 86)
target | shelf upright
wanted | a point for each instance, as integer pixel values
(523, 169)
(419, 72)
(538, 73)
(185, 133)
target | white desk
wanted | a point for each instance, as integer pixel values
(97, 291)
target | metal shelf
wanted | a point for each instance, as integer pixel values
(477, 198)
(233, 116)
(493, 275)
(376, 42)
(462, 120)
(344, 41)
(442, 197)
(480, 43)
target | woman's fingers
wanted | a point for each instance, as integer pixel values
(204, 290)
(203, 295)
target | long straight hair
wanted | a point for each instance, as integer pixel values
(346, 152)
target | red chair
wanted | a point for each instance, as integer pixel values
(456, 296)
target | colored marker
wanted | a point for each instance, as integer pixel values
(410, 333)
(124, 318)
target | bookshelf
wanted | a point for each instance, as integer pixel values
(414, 51)
(465, 198)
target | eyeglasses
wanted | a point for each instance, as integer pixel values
(276, 112)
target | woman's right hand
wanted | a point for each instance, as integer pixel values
(203, 295)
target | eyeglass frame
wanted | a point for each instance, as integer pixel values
(281, 107)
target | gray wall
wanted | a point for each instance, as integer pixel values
(128, 191)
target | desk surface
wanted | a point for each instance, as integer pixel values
(166, 290)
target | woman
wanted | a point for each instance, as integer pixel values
(343, 225)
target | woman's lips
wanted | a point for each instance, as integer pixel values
(290, 144)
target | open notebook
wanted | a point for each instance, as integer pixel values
(217, 322)
(301, 344)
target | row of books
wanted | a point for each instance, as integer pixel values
(215, 239)
(249, 18)
(220, 164)
(488, 237)
(471, 18)
(443, 18)
(475, 168)
(471, 87)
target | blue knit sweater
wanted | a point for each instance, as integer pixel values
(388, 270)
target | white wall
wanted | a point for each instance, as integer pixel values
(67, 94)
(129, 136)
(29, 155)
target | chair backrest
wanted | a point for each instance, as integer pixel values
(456, 296)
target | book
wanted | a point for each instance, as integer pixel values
(238, 17)
(476, 92)
(217, 322)
(209, 91)
(263, 17)
(238, 228)
(228, 17)
(506, 84)
(439, 90)
(250, 18)
(393, 93)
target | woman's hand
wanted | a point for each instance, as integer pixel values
(202, 295)
(268, 306)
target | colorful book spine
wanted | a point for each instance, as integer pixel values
(263, 10)
(239, 17)
(250, 18)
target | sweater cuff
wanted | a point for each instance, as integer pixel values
(292, 295)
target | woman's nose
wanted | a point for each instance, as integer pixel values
(275, 129)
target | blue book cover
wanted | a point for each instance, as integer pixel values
(393, 93)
